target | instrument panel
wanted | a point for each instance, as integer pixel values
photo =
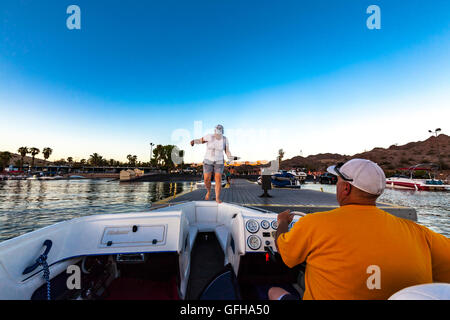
(260, 233)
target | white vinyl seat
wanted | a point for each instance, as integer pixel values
(430, 291)
(222, 236)
(193, 230)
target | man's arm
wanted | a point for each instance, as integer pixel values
(294, 245)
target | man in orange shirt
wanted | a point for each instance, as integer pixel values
(358, 251)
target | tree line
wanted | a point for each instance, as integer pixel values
(161, 158)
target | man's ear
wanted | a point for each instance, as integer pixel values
(347, 188)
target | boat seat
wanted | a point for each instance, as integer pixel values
(222, 236)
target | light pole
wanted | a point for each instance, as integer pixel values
(151, 152)
(437, 142)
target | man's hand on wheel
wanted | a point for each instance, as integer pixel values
(285, 216)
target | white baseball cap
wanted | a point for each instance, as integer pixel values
(361, 173)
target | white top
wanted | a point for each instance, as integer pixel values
(215, 148)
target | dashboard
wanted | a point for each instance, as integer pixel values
(260, 233)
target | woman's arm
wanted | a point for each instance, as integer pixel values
(197, 141)
(228, 152)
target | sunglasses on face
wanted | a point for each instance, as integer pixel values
(336, 168)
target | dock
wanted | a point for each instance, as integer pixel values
(246, 193)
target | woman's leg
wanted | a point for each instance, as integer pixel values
(207, 177)
(218, 179)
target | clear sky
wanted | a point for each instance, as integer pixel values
(304, 76)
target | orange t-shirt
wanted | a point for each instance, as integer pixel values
(362, 252)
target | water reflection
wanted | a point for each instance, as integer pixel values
(92, 193)
(27, 205)
(42, 194)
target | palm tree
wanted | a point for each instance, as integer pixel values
(23, 151)
(47, 152)
(168, 163)
(132, 159)
(5, 158)
(280, 157)
(70, 160)
(181, 154)
(95, 159)
(158, 153)
(34, 151)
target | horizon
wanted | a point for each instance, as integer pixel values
(261, 160)
(304, 77)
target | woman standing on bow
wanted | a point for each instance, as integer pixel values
(216, 145)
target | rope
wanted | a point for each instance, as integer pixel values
(42, 260)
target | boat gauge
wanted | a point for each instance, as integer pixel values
(274, 224)
(291, 224)
(265, 224)
(254, 242)
(252, 226)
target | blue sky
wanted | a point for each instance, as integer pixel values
(297, 75)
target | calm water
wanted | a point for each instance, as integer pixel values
(433, 208)
(28, 205)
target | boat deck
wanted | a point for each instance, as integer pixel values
(246, 193)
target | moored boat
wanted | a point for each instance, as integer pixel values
(410, 182)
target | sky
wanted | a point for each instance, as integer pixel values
(305, 76)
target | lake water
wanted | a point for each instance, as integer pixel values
(28, 205)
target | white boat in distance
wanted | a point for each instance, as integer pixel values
(409, 182)
(191, 250)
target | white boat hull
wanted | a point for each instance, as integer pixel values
(170, 229)
(414, 184)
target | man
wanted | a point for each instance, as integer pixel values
(216, 145)
(358, 251)
(228, 177)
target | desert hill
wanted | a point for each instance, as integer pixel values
(389, 159)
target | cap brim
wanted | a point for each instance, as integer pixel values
(331, 170)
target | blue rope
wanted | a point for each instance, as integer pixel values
(42, 260)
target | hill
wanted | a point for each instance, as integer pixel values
(389, 159)
(15, 160)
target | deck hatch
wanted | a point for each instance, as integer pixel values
(124, 236)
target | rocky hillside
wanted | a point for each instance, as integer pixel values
(389, 159)
(15, 160)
